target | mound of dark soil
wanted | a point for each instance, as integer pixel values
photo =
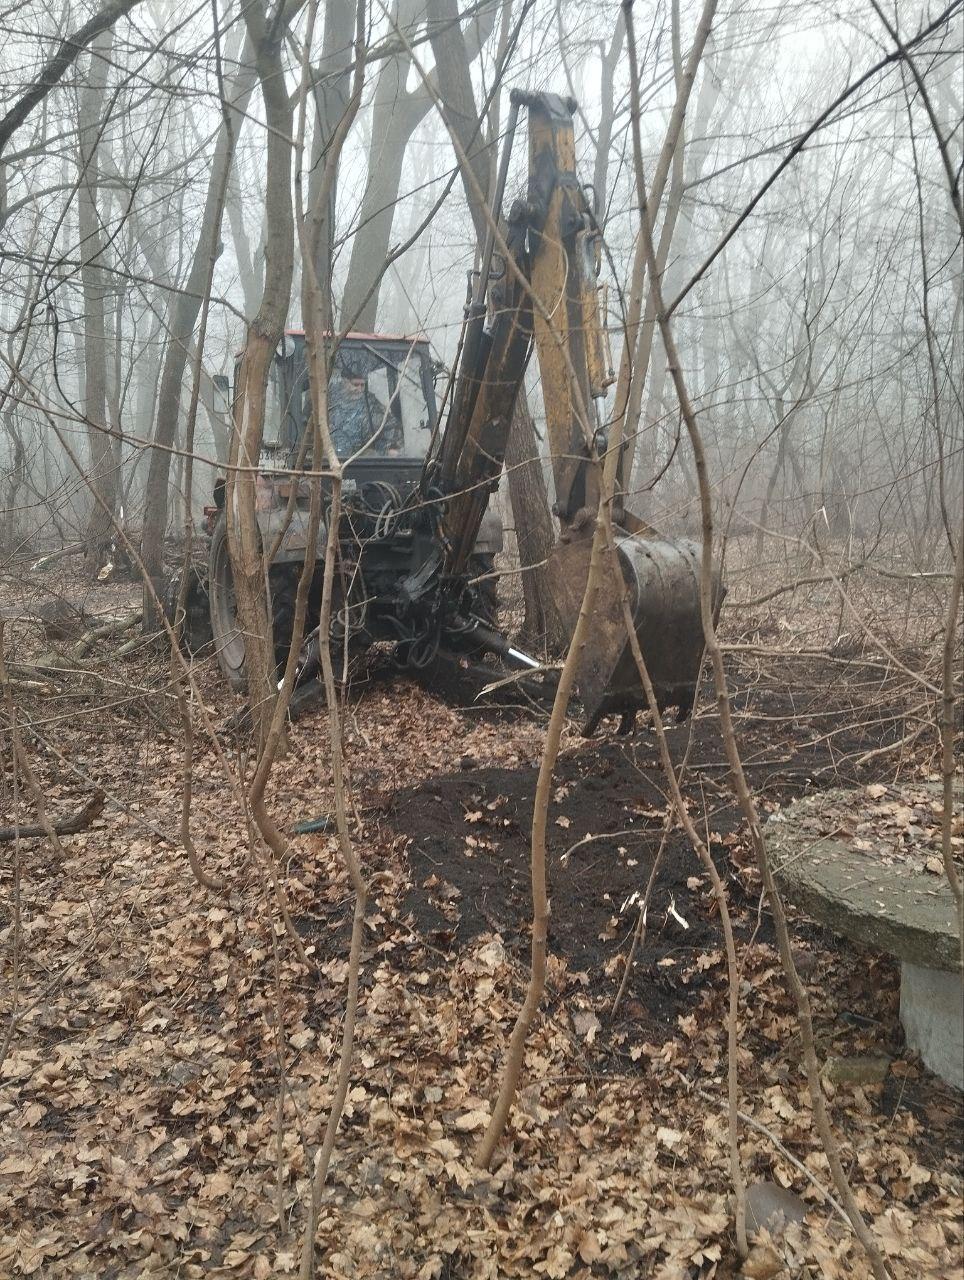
(469, 833)
(470, 849)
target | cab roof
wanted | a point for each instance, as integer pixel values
(358, 335)
(369, 337)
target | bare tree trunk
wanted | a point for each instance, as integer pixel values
(636, 343)
(949, 764)
(331, 89)
(453, 64)
(183, 317)
(533, 529)
(14, 480)
(264, 335)
(92, 117)
(250, 267)
(316, 302)
(527, 487)
(515, 1055)
(686, 166)
(396, 113)
(97, 28)
(738, 778)
(600, 172)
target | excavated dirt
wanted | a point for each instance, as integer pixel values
(468, 835)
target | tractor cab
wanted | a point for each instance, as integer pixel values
(381, 406)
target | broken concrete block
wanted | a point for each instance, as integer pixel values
(900, 904)
(772, 1208)
(932, 1011)
(869, 1068)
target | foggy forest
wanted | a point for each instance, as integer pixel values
(481, 575)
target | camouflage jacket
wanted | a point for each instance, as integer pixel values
(354, 419)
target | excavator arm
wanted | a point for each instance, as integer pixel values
(545, 294)
(545, 298)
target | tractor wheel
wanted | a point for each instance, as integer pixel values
(228, 638)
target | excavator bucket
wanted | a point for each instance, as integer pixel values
(660, 584)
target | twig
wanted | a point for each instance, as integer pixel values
(706, 608)
(889, 748)
(318, 321)
(116, 626)
(948, 770)
(62, 826)
(787, 587)
(187, 787)
(20, 760)
(935, 575)
(639, 932)
(74, 549)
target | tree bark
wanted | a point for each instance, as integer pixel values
(685, 77)
(79, 821)
(263, 338)
(67, 52)
(453, 64)
(534, 530)
(332, 82)
(396, 113)
(183, 317)
(737, 775)
(102, 471)
(527, 487)
(250, 265)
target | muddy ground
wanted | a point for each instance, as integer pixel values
(470, 828)
(466, 835)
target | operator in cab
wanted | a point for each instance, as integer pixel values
(357, 416)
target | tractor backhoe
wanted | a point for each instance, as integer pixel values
(417, 542)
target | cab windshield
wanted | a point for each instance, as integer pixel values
(381, 401)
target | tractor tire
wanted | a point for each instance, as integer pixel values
(228, 639)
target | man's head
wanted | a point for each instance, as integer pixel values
(353, 376)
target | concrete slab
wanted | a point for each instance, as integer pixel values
(865, 863)
(852, 869)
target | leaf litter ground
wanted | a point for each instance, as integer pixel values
(171, 1063)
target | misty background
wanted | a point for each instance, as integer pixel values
(823, 344)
